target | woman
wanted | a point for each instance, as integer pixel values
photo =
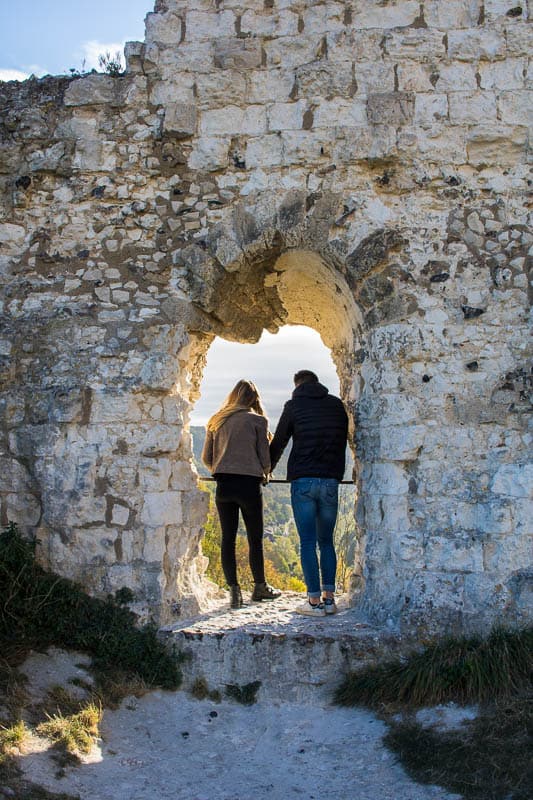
(236, 452)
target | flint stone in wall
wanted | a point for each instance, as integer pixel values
(238, 53)
(391, 108)
(94, 90)
(180, 119)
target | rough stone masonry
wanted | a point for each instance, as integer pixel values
(358, 166)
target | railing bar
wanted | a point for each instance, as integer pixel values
(275, 480)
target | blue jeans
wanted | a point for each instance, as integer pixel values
(314, 505)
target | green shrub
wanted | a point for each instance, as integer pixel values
(40, 609)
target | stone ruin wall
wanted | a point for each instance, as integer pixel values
(357, 166)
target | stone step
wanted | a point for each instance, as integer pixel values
(295, 658)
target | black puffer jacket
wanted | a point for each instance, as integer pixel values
(318, 424)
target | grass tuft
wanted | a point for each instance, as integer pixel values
(488, 758)
(200, 691)
(77, 732)
(245, 694)
(12, 738)
(466, 670)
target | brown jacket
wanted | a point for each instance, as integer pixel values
(239, 446)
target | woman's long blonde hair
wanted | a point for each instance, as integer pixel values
(243, 397)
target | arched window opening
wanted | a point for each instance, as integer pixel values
(271, 364)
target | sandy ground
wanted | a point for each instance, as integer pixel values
(169, 745)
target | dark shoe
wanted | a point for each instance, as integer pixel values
(235, 596)
(263, 591)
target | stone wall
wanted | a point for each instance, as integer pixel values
(359, 167)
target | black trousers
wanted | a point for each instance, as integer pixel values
(234, 493)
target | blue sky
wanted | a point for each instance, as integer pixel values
(52, 36)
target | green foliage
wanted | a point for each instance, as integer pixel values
(489, 758)
(40, 609)
(466, 670)
(245, 694)
(111, 65)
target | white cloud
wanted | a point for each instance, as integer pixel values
(93, 49)
(13, 75)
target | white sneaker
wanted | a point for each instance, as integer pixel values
(310, 610)
(329, 605)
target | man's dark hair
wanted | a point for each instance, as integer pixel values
(305, 376)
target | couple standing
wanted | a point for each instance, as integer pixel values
(238, 454)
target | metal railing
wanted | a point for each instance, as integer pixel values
(276, 480)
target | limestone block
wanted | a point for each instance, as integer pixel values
(414, 44)
(516, 107)
(372, 77)
(372, 15)
(505, 75)
(273, 85)
(194, 57)
(47, 159)
(455, 77)
(11, 235)
(519, 40)
(476, 44)
(452, 13)
(154, 474)
(497, 144)
(195, 507)
(94, 90)
(300, 146)
(133, 55)
(180, 119)
(284, 23)
(233, 120)
(183, 478)
(159, 372)
(514, 480)
(225, 88)
(164, 28)
(209, 153)
(120, 514)
(176, 89)
(232, 53)
(264, 151)
(415, 77)
(456, 553)
(494, 517)
(346, 113)
(208, 25)
(503, 555)
(320, 19)
(401, 443)
(430, 108)
(391, 108)
(471, 109)
(442, 593)
(161, 508)
(108, 405)
(286, 116)
(291, 52)
(160, 439)
(386, 478)
(440, 145)
(499, 8)
(355, 45)
(362, 142)
(154, 545)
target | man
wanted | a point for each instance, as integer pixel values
(318, 425)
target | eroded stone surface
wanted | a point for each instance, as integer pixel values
(357, 168)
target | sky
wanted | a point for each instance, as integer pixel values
(270, 364)
(53, 36)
